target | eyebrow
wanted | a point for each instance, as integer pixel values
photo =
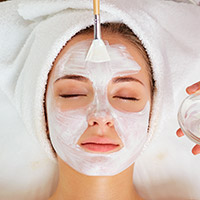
(73, 77)
(126, 79)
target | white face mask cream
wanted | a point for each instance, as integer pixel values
(67, 126)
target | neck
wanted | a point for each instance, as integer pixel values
(73, 185)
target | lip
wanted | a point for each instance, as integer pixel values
(98, 144)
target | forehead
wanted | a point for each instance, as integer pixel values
(73, 61)
(113, 39)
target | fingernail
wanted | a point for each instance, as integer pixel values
(194, 153)
(179, 133)
(193, 88)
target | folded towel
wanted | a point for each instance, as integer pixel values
(32, 36)
(195, 2)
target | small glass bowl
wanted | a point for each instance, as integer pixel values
(189, 117)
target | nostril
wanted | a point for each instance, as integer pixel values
(92, 122)
(109, 123)
(95, 123)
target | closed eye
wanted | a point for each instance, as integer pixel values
(71, 95)
(127, 98)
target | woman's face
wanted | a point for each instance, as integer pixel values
(100, 104)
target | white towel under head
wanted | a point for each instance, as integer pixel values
(33, 32)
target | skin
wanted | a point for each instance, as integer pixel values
(73, 185)
(191, 90)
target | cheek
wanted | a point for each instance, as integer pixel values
(59, 118)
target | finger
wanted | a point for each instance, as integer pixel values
(179, 133)
(193, 88)
(196, 149)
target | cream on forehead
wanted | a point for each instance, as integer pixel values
(73, 61)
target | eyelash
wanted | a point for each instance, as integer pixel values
(78, 95)
(127, 98)
(71, 95)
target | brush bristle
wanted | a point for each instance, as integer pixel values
(98, 52)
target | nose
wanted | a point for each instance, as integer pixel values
(101, 121)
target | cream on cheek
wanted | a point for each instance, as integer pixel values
(66, 127)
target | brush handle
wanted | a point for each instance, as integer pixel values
(97, 24)
(96, 5)
(97, 27)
